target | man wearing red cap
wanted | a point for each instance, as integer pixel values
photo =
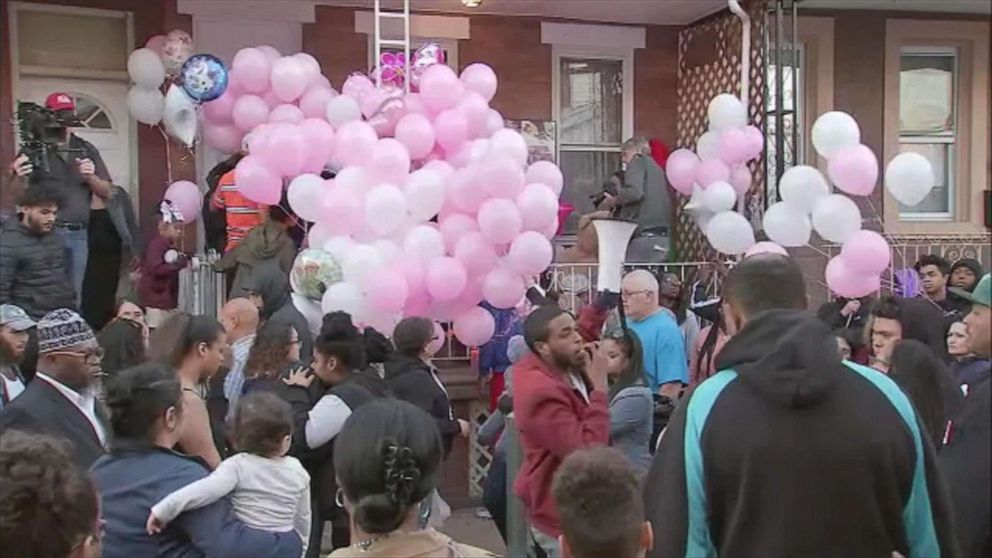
(77, 172)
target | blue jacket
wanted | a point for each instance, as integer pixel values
(130, 482)
(492, 355)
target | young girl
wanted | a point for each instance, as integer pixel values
(269, 490)
(158, 289)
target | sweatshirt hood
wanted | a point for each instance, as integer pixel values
(974, 265)
(787, 356)
(273, 285)
(264, 242)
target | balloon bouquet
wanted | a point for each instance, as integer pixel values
(715, 175)
(433, 207)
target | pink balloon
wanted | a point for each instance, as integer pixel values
(499, 221)
(314, 102)
(270, 52)
(530, 254)
(476, 253)
(755, 142)
(475, 327)
(287, 113)
(219, 110)
(733, 146)
(846, 283)
(547, 173)
(372, 100)
(356, 85)
(390, 162)
(500, 176)
(321, 83)
(470, 152)
(416, 133)
(440, 88)
(223, 138)
(413, 273)
(355, 143)
(187, 198)
(475, 110)
(681, 170)
(854, 170)
(866, 253)
(256, 182)
(414, 104)
(319, 137)
(710, 171)
(451, 130)
(285, 150)
(249, 111)
(538, 207)
(445, 170)
(503, 288)
(445, 278)
(766, 247)
(423, 243)
(310, 66)
(387, 290)
(156, 43)
(419, 306)
(481, 79)
(464, 191)
(454, 228)
(251, 69)
(472, 295)
(740, 179)
(271, 99)
(255, 139)
(289, 78)
(343, 211)
(494, 122)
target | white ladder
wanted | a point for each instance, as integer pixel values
(381, 15)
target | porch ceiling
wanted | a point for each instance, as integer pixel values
(954, 6)
(656, 12)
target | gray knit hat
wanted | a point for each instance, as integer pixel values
(61, 329)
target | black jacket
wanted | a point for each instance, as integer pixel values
(790, 452)
(32, 270)
(41, 408)
(412, 380)
(277, 304)
(966, 462)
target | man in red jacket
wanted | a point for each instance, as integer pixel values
(560, 405)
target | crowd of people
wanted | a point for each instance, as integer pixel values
(659, 421)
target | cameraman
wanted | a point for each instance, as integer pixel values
(643, 197)
(77, 172)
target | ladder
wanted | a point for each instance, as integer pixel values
(380, 16)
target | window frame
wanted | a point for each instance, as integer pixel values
(623, 55)
(800, 118)
(944, 138)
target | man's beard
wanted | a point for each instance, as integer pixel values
(565, 362)
(33, 225)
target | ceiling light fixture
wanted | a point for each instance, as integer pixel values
(472, 3)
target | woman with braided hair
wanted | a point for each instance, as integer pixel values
(391, 466)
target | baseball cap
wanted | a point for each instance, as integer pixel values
(981, 295)
(60, 101)
(15, 318)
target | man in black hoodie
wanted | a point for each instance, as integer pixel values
(269, 289)
(789, 451)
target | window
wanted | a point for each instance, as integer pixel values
(593, 94)
(928, 110)
(63, 38)
(791, 72)
(92, 114)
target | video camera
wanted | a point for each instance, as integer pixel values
(41, 130)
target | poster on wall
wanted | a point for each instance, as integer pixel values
(541, 137)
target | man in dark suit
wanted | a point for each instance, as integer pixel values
(61, 400)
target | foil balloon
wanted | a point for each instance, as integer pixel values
(177, 50)
(425, 57)
(203, 77)
(389, 113)
(392, 68)
(313, 272)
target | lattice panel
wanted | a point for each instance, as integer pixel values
(479, 456)
(709, 64)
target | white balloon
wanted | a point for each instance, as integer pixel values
(787, 224)
(701, 214)
(836, 217)
(424, 194)
(339, 247)
(511, 143)
(385, 208)
(708, 145)
(319, 234)
(306, 196)
(730, 233)
(388, 250)
(362, 260)
(835, 131)
(803, 186)
(342, 109)
(344, 297)
(144, 65)
(719, 196)
(180, 115)
(726, 111)
(909, 177)
(145, 105)
(424, 243)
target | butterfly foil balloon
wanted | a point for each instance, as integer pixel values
(392, 69)
(389, 113)
(425, 57)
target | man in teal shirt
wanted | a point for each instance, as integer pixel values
(664, 347)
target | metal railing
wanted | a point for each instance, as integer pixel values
(202, 291)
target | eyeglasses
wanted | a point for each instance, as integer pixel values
(628, 294)
(93, 355)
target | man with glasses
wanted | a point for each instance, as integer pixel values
(664, 348)
(61, 401)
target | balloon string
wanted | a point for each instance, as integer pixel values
(168, 155)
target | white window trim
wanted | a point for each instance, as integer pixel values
(944, 138)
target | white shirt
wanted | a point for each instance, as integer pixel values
(267, 493)
(325, 419)
(13, 388)
(85, 402)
